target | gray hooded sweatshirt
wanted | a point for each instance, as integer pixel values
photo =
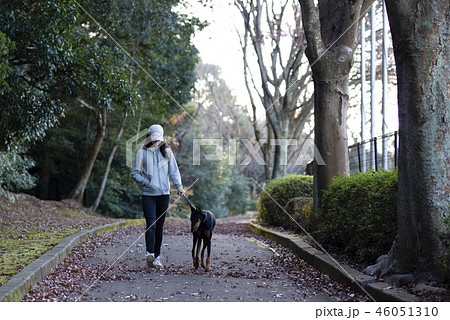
(151, 169)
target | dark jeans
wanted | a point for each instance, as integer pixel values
(154, 211)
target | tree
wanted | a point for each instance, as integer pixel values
(221, 116)
(284, 94)
(114, 94)
(164, 65)
(99, 196)
(420, 32)
(5, 46)
(331, 31)
(222, 187)
(54, 61)
(134, 24)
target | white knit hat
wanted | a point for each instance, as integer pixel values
(156, 132)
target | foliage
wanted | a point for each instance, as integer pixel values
(178, 207)
(276, 195)
(122, 197)
(252, 205)
(60, 155)
(211, 186)
(221, 187)
(54, 60)
(217, 186)
(237, 200)
(59, 158)
(14, 174)
(133, 24)
(300, 209)
(5, 46)
(358, 215)
(158, 40)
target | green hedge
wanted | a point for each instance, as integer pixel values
(281, 190)
(301, 210)
(358, 214)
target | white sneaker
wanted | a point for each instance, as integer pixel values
(157, 262)
(150, 257)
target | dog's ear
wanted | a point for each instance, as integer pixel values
(198, 208)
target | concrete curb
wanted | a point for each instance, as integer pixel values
(380, 291)
(22, 282)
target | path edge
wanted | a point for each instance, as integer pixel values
(22, 282)
(380, 291)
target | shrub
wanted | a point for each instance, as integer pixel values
(300, 209)
(14, 175)
(282, 190)
(358, 214)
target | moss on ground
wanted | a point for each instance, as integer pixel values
(15, 253)
(29, 227)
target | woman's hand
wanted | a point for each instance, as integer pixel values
(181, 193)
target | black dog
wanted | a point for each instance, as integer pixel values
(202, 226)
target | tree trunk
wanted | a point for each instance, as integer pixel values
(96, 202)
(281, 148)
(78, 191)
(267, 153)
(330, 132)
(420, 33)
(331, 29)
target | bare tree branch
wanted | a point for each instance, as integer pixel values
(282, 80)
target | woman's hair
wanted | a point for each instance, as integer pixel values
(163, 147)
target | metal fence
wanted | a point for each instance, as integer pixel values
(377, 153)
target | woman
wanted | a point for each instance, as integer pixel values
(153, 165)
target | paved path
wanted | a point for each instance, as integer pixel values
(243, 268)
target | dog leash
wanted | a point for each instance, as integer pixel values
(190, 203)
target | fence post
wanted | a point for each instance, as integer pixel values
(363, 94)
(359, 157)
(373, 61)
(376, 153)
(385, 85)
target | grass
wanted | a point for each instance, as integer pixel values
(29, 227)
(18, 249)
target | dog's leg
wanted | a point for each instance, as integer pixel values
(209, 254)
(196, 259)
(193, 251)
(205, 242)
